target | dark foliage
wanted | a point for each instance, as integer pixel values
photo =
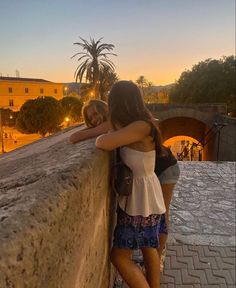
(72, 108)
(8, 117)
(209, 81)
(42, 115)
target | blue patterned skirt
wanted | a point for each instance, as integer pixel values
(135, 232)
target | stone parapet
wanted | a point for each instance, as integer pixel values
(55, 220)
(226, 138)
(215, 108)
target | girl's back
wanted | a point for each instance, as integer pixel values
(141, 163)
(139, 215)
(146, 197)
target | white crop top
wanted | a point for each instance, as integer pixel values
(146, 197)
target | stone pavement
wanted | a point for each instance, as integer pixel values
(201, 244)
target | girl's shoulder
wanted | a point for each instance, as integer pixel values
(135, 132)
(145, 143)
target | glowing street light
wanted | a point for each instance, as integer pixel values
(1, 132)
(65, 90)
(67, 120)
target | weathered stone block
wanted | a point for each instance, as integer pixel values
(55, 217)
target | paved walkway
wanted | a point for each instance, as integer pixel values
(201, 245)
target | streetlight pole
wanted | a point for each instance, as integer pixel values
(219, 126)
(1, 132)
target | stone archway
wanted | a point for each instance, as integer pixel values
(184, 126)
(201, 122)
(177, 121)
(177, 126)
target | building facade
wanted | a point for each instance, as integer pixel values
(14, 91)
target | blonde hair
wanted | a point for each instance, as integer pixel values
(100, 106)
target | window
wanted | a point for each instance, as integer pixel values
(10, 90)
(26, 90)
(41, 90)
(11, 103)
(55, 91)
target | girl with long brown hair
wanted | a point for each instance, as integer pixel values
(139, 216)
(95, 114)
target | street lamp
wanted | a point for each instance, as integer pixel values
(65, 90)
(1, 129)
(1, 133)
(67, 120)
(219, 126)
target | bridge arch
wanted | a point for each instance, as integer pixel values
(188, 121)
(187, 126)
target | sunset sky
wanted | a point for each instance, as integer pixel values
(155, 38)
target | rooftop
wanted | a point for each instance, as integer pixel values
(22, 79)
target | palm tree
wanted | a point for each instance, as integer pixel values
(142, 83)
(93, 59)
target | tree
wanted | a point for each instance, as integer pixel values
(86, 91)
(231, 105)
(209, 81)
(93, 59)
(142, 83)
(42, 115)
(8, 117)
(107, 78)
(72, 107)
(149, 95)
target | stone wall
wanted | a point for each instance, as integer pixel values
(226, 138)
(55, 215)
(214, 108)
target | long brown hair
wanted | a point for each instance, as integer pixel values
(99, 105)
(126, 105)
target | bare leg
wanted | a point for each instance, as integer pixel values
(167, 190)
(129, 271)
(152, 266)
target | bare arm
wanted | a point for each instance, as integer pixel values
(132, 133)
(88, 133)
